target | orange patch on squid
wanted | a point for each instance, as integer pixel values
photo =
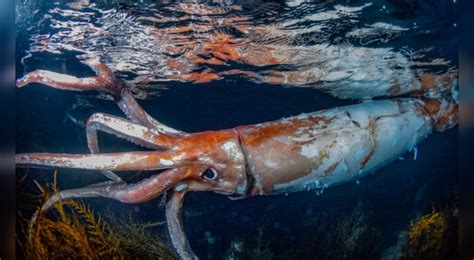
(263, 133)
(292, 77)
(448, 79)
(198, 144)
(427, 81)
(173, 49)
(260, 56)
(197, 77)
(181, 29)
(432, 107)
(223, 47)
(174, 64)
(249, 74)
(213, 61)
(448, 119)
(275, 78)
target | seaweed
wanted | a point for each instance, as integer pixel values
(138, 240)
(259, 248)
(353, 237)
(433, 235)
(74, 230)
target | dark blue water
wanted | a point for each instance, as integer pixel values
(422, 32)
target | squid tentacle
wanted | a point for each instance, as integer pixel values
(112, 176)
(119, 127)
(141, 191)
(132, 109)
(93, 144)
(174, 218)
(105, 81)
(128, 161)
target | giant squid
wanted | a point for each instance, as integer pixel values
(311, 151)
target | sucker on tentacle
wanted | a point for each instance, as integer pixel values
(306, 152)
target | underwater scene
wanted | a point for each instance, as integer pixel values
(237, 129)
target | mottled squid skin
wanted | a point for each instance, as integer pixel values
(307, 152)
(323, 149)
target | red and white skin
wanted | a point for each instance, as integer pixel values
(306, 152)
(319, 150)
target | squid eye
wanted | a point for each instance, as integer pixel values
(209, 174)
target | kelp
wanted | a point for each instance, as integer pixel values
(74, 232)
(353, 237)
(72, 229)
(433, 235)
(137, 238)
